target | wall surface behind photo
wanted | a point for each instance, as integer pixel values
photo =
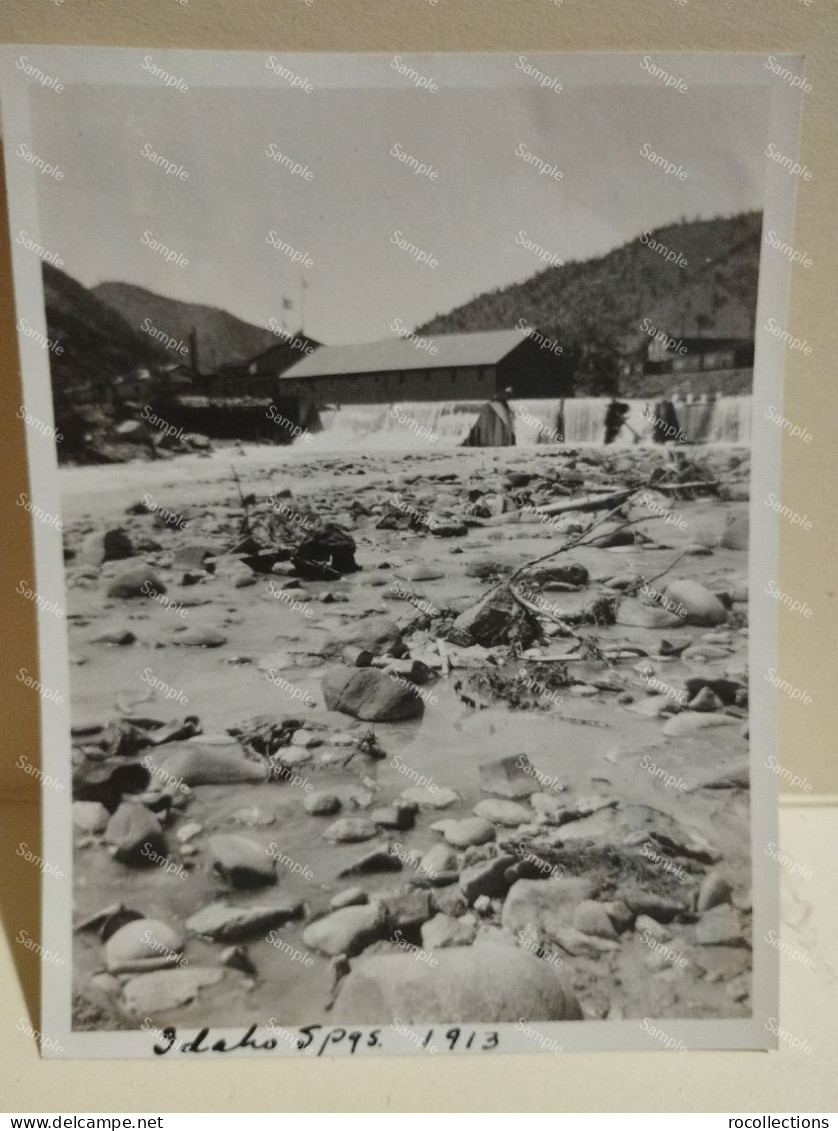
(809, 484)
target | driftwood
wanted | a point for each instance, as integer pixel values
(586, 502)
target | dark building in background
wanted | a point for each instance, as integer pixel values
(235, 401)
(471, 367)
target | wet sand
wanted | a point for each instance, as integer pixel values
(590, 743)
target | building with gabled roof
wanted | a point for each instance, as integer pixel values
(477, 366)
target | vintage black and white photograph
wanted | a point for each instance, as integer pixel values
(397, 425)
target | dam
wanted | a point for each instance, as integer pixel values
(572, 421)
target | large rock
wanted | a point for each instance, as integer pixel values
(321, 803)
(143, 944)
(694, 603)
(194, 555)
(376, 634)
(720, 926)
(484, 983)
(241, 862)
(370, 695)
(405, 910)
(347, 931)
(210, 765)
(141, 581)
(545, 906)
(200, 638)
(90, 816)
(350, 830)
(469, 831)
(445, 930)
(222, 923)
(508, 813)
(105, 546)
(499, 619)
(327, 554)
(434, 796)
(168, 989)
(136, 835)
(488, 877)
(513, 776)
(438, 861)
(632, 613)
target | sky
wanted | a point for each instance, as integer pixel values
(345, 218)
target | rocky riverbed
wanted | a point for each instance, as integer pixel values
(437, 736)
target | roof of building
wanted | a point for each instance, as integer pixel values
(275, 358)
(396, 353)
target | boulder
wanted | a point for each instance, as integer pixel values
(695, 603)
(327, 554)
(488, 877)
(194, 555)
(434, 796)
(241, 862)
(510, 777)
(379, 859)
(419, 571)
(141, 581)
(480, 984)
(223, 923)
(715, 890)
(136, 835)
(498, 619)
(376, 634)
(399, 816)
(121, 636)
(321, 804)
(720, 926)
(591, 918)
(507, 813)
(551, 810)
(210, 765)
(540, 907)
(350, 830)
(200, 638)
(167, 989)
(632, 613)
(90, 816)
(444, 930)
(370, 695)
(143, 944)
(106, 546)
(405, 910)
(438, 861)
(349, 897)
(724, 689)
(346, 931)
(469, 831)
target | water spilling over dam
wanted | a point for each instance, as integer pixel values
(572, 421)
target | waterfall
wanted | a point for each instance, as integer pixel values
(579, 420)
(400, 426)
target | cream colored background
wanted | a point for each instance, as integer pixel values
(617, 1081)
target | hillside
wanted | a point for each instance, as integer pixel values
(97, 343)
(223, 339)
(608, 298)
